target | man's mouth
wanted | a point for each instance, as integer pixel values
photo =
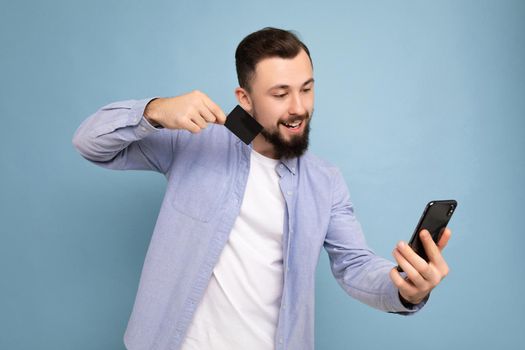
(296, 124)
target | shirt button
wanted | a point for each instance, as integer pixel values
(281, 166)
(289, 193)
(280, 340)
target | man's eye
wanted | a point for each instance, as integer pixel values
(307, 89)
(280, 95)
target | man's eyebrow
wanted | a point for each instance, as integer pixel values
(311, 80)
(284, 86)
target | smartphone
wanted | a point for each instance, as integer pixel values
(435, 219)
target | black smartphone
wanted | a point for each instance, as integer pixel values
(435, 219)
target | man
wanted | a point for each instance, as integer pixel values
(231, 263)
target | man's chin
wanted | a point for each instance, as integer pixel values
(289, 146)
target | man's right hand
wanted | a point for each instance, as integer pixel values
(192, 111)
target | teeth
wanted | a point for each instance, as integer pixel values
(294, 124)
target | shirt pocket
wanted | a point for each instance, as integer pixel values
(199, 192)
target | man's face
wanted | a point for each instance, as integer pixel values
(282, 97)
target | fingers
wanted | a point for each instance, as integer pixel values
(208, 109)
(444, 239)
(192, 111)
(216, 115)
(208, 112)
(433, 251)
(411, 258)
(412, 273)
(410, 292)
(200, 122)
(421, 276)
(401, 283)
(430, 246)
(189, 125)
(416, 286)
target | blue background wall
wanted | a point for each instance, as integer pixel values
(415, 100)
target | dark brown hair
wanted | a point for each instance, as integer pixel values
(265, 43)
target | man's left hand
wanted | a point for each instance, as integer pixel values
(422, 276)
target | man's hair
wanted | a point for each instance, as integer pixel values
(265, 43)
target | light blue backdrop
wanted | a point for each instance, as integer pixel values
(415, 100)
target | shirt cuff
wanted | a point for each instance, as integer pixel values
(144, 127)
(157, 126)
(408, 304)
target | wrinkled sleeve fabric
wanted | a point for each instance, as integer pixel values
(118, 136)
(361, 273)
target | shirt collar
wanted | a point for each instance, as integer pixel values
(289, 163)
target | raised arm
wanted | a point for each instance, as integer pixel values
(141, 134)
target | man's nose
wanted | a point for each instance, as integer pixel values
(296, 105)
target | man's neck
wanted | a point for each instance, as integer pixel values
(260, 145)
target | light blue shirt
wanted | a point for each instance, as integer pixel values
(207, 174)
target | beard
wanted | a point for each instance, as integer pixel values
(293, 147)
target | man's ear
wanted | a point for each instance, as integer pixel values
(244, 99)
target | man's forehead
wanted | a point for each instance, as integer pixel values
(286, 86)
(274, 71)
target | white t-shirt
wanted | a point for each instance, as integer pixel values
(240, 307)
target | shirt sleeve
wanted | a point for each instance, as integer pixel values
(118, 136)
(361, 273)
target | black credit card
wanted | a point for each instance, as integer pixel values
(242, 125)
